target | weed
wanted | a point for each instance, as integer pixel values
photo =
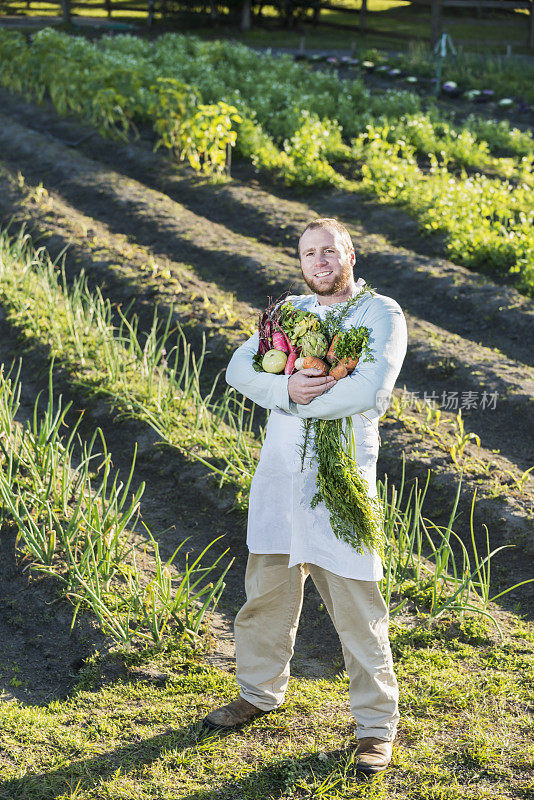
(461, 438)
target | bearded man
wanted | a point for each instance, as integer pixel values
(288, 540)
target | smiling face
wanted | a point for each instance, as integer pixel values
(326, 263)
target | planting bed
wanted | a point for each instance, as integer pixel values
(309, 128)
(153, 235)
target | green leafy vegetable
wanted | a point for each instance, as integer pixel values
(354, 342)
(314, 344)
(355, 517)
(297, 323)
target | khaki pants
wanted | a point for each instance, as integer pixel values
(266, 626)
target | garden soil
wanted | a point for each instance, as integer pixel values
(154, 234)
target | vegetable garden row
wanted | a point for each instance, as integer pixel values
(470, 76)
(472, 181)
(76, 526)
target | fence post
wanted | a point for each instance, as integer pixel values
(363, 17)
(435, 22)
(228, 159)
(65, 7)
(246, 16)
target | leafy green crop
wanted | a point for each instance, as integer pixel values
(472, 182)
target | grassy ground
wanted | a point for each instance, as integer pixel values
(466, 731)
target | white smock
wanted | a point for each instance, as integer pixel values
(280, 518)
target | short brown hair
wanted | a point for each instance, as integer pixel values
(327, 222)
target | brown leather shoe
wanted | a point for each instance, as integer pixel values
(372, 755)
(232, 715)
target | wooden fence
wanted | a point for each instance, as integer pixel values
(436, 8)
(68, 8)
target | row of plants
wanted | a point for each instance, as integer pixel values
(417, 70)
(451, 436)
(152, 375)
(75, 522)
(503, 77)
(146, 378)
(203, 97)
(462, 147)
(489, 223)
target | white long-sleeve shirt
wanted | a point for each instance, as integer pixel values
(280, 518)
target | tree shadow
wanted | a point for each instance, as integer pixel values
(85, 774)
(272, 781)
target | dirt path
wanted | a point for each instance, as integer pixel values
(160, 236)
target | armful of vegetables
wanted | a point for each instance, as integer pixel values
(285, 332)
(292, 339)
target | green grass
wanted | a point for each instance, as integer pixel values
(465, 731)
(97, 13)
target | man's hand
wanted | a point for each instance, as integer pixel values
(304, 386)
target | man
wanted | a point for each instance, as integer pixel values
(288, 540)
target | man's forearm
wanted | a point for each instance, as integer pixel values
(353, 395)
(266, 390)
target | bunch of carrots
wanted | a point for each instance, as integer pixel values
(334, 365)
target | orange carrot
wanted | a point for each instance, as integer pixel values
(331, 355)
(312, 362)
(339, 371)
(349, 363)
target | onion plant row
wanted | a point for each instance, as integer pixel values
(150, 375)
(148, 378)
(471, 181)
(74, 521)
